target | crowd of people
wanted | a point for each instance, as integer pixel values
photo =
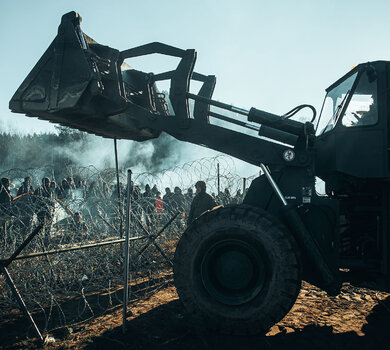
(18, 206)
(74, 192)
(176, 201)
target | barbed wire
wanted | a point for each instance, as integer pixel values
(72, 270)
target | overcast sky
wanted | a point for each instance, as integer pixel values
(272, 55)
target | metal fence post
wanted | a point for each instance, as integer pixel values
(218, 180)
(126, 253)
(118, 189)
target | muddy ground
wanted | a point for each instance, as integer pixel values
(356, 319)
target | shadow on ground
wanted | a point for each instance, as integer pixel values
(17, 333)
(165, 328)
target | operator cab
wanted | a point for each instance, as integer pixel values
(351, 132)
(352, 157)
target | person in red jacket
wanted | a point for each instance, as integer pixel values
(159, 203)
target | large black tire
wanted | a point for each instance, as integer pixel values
(237, 270)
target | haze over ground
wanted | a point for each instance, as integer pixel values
(270, 55)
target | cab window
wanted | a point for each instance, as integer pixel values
(362, 108)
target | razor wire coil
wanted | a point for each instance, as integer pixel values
(79, 272)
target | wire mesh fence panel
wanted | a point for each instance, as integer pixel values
(72, 270)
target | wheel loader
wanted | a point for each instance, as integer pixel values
(238, 269)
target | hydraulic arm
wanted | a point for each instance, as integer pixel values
(85, 85)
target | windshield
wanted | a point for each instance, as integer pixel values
(362, 108)
(333, 105)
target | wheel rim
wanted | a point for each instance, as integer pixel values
(233, 271)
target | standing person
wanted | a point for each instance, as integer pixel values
(178, 199)
(63, 190)
(167, 198)
(78, 194)
(107, 192)
(5, 204)
(5, 192)
(189, 196)
(24, 206)
(70, 181)
(155, 190)
(148, 193)
(159, 203)
(44, 190)
(238, 197)
(114, 191)
(54, 189)
(136, 194)
(93, 190)
(219, 198)
(178, 205)
(5, 196)
(45, 207)
(201, 202)
(148, 204)
(78, 226)
(227, 198)
(26, 186)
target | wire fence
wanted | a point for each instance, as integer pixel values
(72, 270)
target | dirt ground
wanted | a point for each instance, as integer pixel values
(356, 319)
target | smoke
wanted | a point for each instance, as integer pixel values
(69, 147)
(152, 156)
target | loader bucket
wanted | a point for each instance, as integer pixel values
(80, 83)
